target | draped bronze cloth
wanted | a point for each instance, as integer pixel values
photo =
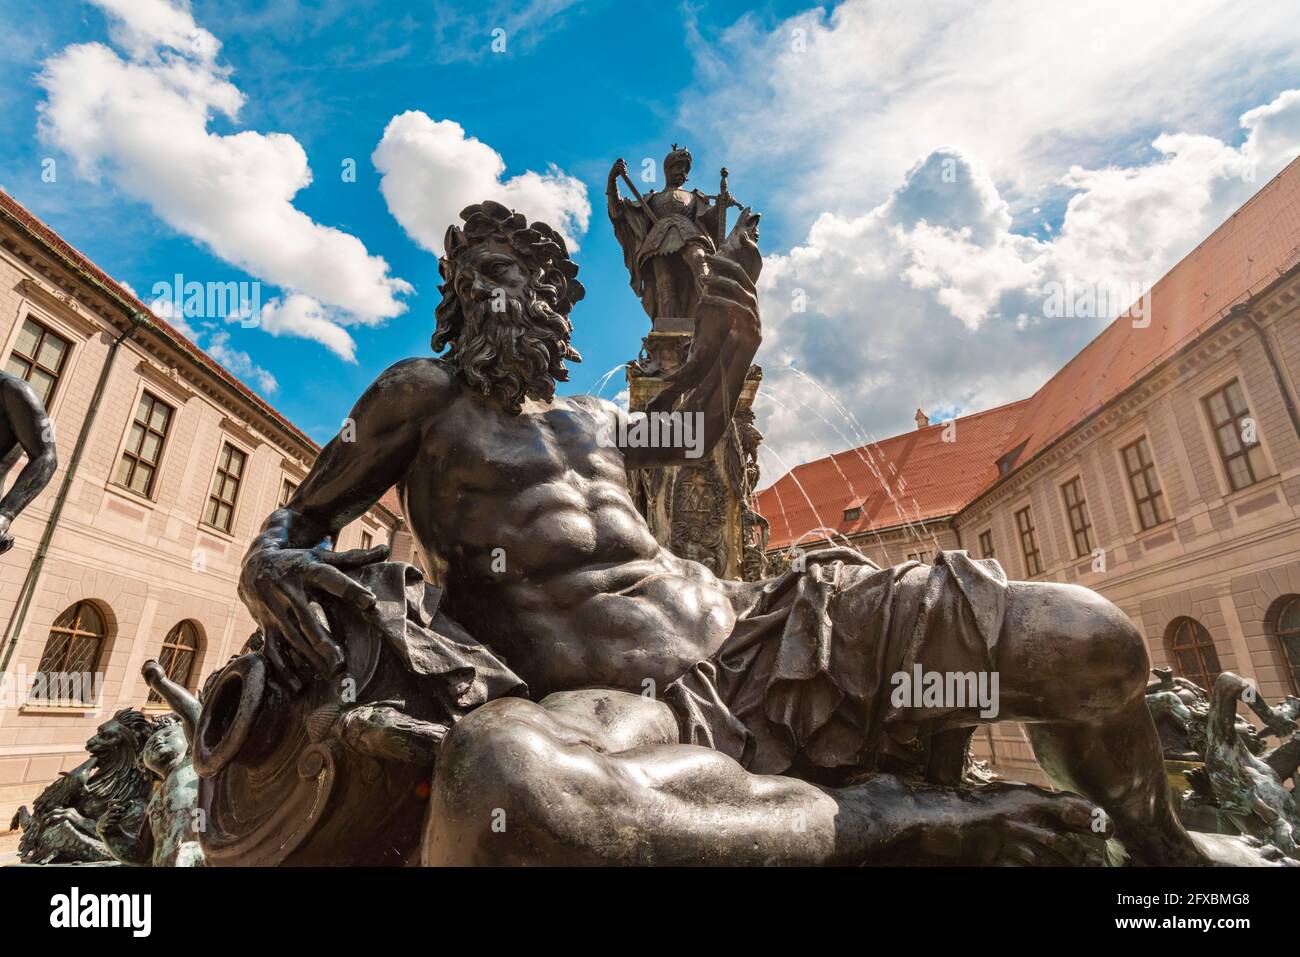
(463, 671)
(804, 679)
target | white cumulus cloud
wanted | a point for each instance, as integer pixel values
(931, 300)
(240, 363)
(840, 100)
(431, 170)
(141, 118)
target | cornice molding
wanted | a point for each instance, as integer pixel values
(242, 432)
(1215, 345)
(169, 380)
(62, 304)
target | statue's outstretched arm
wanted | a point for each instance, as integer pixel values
(36, 436)
(292, 563)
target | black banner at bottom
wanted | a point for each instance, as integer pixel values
(211, 906)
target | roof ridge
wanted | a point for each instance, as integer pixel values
(914, 432)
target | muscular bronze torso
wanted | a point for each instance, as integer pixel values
(545, 557)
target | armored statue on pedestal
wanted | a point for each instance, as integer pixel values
(702, 509)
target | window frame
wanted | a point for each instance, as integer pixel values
(1235, 419)
(1197, 629)
(47, 328)
(987, 548)
(1078, 516)
(233, 504)
(286, 485)
(167, 661)
(1032, 557)
(1291, 665)
(124, 451)
(1155, 496)
(67, 634)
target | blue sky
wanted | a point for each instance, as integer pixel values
(925, 171)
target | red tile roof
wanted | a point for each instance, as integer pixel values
(80, 262)
(904, 479)
(1254, 248)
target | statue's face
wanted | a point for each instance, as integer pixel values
(165, 750)
(677, 173)
(490, 272)
(109, 737)
(512, 343)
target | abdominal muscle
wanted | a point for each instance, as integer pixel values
(593, 601)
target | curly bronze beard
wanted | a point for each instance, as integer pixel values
(514, 354)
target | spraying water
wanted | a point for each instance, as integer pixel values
(910, 518)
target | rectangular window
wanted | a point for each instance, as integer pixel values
(225, 488)
(986, 543)
(138, 466)
(1029, 543)
(914, 556)
(1076, 507)
(38, 358)
(287, 488)
(367, 540)
(1144, 484)
(1236, 434)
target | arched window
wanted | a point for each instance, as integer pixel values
(1286, 627)
(1192, 650)
(179, 650)
(69, 666)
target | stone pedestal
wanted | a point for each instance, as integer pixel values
(704, 510)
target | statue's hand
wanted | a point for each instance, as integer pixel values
(727, 318)
(280, 585)
(618, 169)
(111, 820)
(71, 816)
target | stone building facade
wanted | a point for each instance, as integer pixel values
(1160, 467)
(168, 466)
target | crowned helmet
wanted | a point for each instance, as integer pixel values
(678, 156)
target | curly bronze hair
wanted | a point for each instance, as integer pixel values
(541, 250)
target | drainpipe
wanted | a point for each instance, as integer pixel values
(14, 631)
(1287, 399)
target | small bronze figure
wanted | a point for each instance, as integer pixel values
(167, 836)
(666, 236)
(1246, 788)
(24, 428)
(61, 827)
